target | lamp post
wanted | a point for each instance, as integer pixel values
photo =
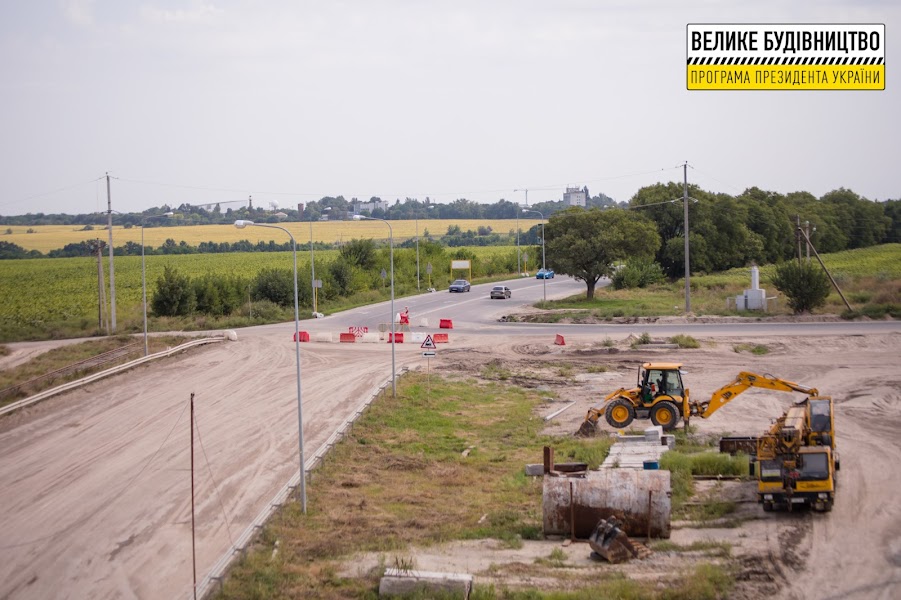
(391, 254)
(417, 254)
(241, 224)
(312, 268)
(517, 226)
(543, 265)
(144, 273)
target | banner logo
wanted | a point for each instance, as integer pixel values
(771, 56)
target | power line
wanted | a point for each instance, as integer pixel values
(62, 189)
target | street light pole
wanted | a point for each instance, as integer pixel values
(417, 254)
(518, 266)
(144, 274)
(391, 254)
(312, 268)
(241, 224)
(543, 264)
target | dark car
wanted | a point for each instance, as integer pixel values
(460, 285)
(544, 274)
(501, 292)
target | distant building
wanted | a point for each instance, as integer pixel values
(574, 197)
(370, 206)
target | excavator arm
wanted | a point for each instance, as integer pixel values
(742, 382)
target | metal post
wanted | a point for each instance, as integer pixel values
(807, 235)
(417, 254)
(313, 267)
(685, 233)
(144, 300)
(112, 274)
(543, 263)
(240, 224)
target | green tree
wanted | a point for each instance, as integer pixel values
(275, 285)
(805, 285)
(174, 295)
(360, 253)
(586, 243)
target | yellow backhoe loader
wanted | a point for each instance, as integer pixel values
(661, 397)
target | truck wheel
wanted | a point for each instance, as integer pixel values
(665, 414)
(619, 414)
(767, 507)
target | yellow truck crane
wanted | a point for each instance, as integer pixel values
(660, 396)
(796, 460)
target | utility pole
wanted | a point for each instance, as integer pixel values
(807, 235)
(518, 264)
(101, 289)
(685, 232)
(112, 273)
(798, 236)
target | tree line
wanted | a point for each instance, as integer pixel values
(724, 231)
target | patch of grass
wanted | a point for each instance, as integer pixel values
(708, 510)
(411, 446)
(683, 466)
(758, 349)
(565, 371)
(685, 341)
(644, 338)
(704, 582)
(4, 350)
(496, 371)
(592, 451)
(597, 369)
(556, 559)
(706, 547)
(68, 355)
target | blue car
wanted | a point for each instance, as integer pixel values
(544, 274)
(460, 285)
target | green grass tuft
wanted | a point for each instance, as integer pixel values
(685, 341)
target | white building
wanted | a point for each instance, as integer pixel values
(574, 197)
(370, 206)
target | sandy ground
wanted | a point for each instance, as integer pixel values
(852, 552)
(95, 484)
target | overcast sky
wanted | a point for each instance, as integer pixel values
(289, 100)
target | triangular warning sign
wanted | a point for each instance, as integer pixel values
(428, 344)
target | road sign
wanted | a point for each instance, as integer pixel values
(428, 268)
(429, 354)
(428, 344)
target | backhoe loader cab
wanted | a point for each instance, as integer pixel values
(655, 379)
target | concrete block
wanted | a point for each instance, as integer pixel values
(370, 338)
(535, 470)
(397, 582)
(322, 337)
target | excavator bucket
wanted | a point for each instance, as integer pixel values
(609, 542)
(587, 429)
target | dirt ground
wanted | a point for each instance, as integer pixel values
(852, 552)
(96, 491)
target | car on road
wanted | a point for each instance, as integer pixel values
(501, 292)
(544, 274)
(460, 285)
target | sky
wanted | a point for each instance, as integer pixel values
(200, 101)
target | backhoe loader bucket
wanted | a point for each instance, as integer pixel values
(610, 543)
(587, 429)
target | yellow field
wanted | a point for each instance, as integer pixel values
(52, 237)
